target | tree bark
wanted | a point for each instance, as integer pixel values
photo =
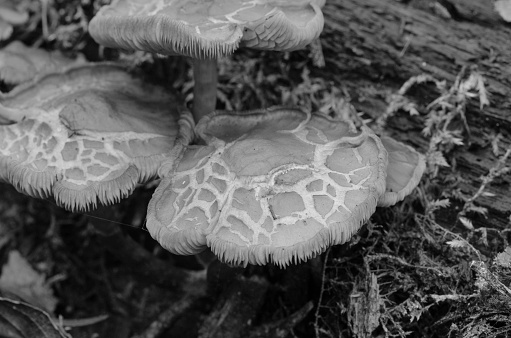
(372, 47)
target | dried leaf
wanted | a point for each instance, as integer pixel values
(20, 279)
(21, 320)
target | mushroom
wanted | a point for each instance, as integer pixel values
(405, 169)
(206, 30)
(19, 63)
(277, 185)
(503, 8)
(88, 134)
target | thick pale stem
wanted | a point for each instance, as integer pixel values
(204, 92)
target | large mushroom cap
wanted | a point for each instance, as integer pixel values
(404, 171)
(86, 135)
(276, 185)
(207, 29)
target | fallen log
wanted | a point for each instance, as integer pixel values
(371, 47)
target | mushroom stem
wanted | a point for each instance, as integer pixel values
(204, 92)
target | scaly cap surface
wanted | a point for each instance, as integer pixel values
(207, 29)
(87, 135)
(276, 185)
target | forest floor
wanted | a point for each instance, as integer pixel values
(437, 264)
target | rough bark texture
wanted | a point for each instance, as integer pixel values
(379, 44)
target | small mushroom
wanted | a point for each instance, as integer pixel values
(277, 185)
(19, 63)
(404, 171)
(206, 30)
(88, 134)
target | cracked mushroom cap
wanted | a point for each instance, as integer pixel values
(276, 185)
(87, 135)
(404, 171)
(207, 29)
(19, 63)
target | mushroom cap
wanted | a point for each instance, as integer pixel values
(404, 171)
(207, 29)
(19, 63)
(88, 134)
(503, 8)
(277, 185)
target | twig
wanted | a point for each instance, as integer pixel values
(454, 297)
(399, 101)
(236, 308)
(281, 328)
(166, 318)
(498, 170)
(372, 258)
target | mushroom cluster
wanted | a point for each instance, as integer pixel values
(277, 185)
